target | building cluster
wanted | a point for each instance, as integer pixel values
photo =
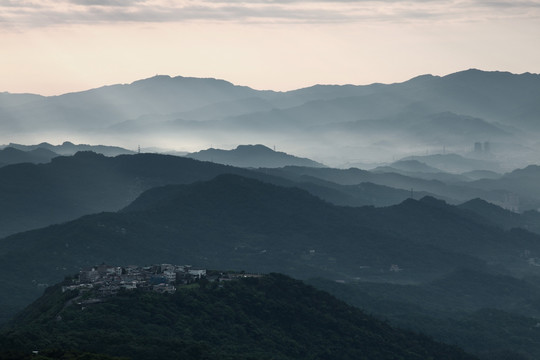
(109, 280)
(482, 148)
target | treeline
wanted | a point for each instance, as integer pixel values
(273, 317)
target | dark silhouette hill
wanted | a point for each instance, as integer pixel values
(11, 155)
(481, 174)
(419, 170)
(447, 187)
(455, 163)
(413, 166)
(71, 186)
(234, 222)
(252, 156)
(474, 310)
(37, 195)
(522, 183)
(506, 219)
(271, 317)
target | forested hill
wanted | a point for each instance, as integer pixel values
(254, 156)
(37, 195)
(272, 317)
(233, 222)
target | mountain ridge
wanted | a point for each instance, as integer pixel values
(233, 221)
(252, 156)
(186, 110)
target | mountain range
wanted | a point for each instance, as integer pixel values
(441, 236)
(418, 260)
(69, 148)
(36, 195)
(12, 155)
(252, 156)
(330, 124)
(45, 152)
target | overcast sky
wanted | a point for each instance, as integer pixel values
(57, 46)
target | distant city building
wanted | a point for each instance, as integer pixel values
(482, 148)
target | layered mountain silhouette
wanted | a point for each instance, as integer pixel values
(11, 155)
(474, 310)
(506, 219)
(448, 245)
(510, 191)
(71, 186)
(454, 163)
(268, 317)
(338, 124)
(36, 195)
(234, 222)
(68, 148)
(252, 156)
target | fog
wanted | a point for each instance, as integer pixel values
(339, 126)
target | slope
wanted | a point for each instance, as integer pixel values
(452, 192)
(71, 186)
(11, 155)
(68, 187)
(68, 148)
(373, 121)
(233, 222)
(490, 315)
(252, 156)
(505, 219)
(272, 317)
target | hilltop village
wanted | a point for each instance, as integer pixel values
(162, 278)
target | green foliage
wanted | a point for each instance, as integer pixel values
(272, 317)
(492, 316)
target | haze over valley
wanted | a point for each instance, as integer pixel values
(414, 202)
(485, 116)
(269, 180)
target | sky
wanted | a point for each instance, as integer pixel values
(51, 47)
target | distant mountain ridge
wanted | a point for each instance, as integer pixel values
(252, 156)
(516, 190)
(267, 317)
(454, 163)
(71, 186)
(11, 155)
(340, 123)
(238, 222)
(505, 219)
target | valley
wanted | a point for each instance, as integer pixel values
(414, 202)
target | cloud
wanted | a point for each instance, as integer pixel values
(38, 13)
(120, 3)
